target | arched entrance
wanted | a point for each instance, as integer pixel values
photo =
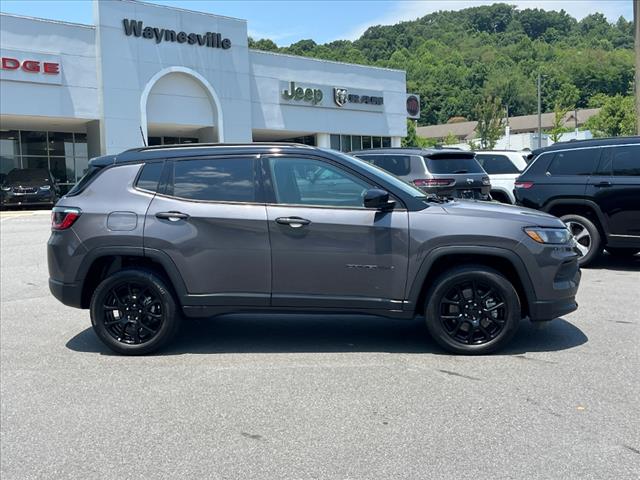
(179, 105)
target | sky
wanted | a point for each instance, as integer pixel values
(286, 22)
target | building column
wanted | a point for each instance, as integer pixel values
(95, 146)
(396, 142)
(323, 140)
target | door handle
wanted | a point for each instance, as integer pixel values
(172, 216)
(293, 222)
(604, 183)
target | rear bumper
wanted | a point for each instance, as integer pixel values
(68, 293)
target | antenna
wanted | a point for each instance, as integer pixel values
(144, 140)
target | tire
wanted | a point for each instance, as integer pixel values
(152, 318)
(622, 252)
(474, 333)
(587, 235)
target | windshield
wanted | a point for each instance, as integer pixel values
(27, 174)
(379, 172)
(452, 165)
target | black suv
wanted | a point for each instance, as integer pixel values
(594, 187)
(29, 187)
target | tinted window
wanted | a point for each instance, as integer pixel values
(452, 164)
(150, 176)
(303, 181)
(396, 164)
(574, 162)
(626, 161)
(28, 174)
(90, 174)
(221, 179)
(496, 164)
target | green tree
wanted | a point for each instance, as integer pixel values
(490, 122)
(411, 140)
(617, 117)
(450, 139)
(558, 128)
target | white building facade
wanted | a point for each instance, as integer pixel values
(149, 74)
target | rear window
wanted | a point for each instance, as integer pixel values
(495, 164)
(574, 162)
(397, 164)
(451, 164)
(87, 178)
(150, 176)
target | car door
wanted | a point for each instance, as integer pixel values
(616, 189)
(210, 220)
(327, 250)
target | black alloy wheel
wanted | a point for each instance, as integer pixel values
(472, 310)
(133, 312)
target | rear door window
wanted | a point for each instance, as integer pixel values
(451, 164)
(214, 179)
(574, 162)
(495, 164)
(399, 165)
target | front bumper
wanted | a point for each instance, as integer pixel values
(45, 198)
(544, 310)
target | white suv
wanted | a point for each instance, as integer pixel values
(503, 167)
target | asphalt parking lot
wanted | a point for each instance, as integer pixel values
(311, 397)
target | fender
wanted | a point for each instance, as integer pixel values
(119, 251)
(583, 202)
(438, 252)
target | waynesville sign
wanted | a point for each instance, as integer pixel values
(208, 39)
(315, 95)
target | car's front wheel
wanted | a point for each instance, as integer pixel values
(133, 312)
(472, 310)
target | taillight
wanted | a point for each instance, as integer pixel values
(63, 217)
(524, 185)
(434, 182)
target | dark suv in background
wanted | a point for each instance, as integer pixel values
(444, 172)
(594, 187)
(208, 229)
(28, 187)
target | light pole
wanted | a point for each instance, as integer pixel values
(636, 21)
(540, 110)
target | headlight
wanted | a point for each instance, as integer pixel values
(45, 187)
(6, 189)
(548, 235)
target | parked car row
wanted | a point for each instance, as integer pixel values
(592, 185)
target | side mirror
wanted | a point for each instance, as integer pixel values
(378, 199)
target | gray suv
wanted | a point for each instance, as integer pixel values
(154, 233)
(443, 172)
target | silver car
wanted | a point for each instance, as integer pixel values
(154, 234)
(448, 173)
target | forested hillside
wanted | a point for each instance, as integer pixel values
(455, 59)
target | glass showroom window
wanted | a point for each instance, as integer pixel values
(64, 154)
(348, 143)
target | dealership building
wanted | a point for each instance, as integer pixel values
(150, 74)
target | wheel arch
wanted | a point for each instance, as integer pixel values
(102, 262)
(441, 259)
(583, 207)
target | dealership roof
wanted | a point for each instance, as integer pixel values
(521, 124)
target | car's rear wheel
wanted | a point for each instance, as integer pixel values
(134, 313)
(472, 310)
(587, 236)
(622, 252)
